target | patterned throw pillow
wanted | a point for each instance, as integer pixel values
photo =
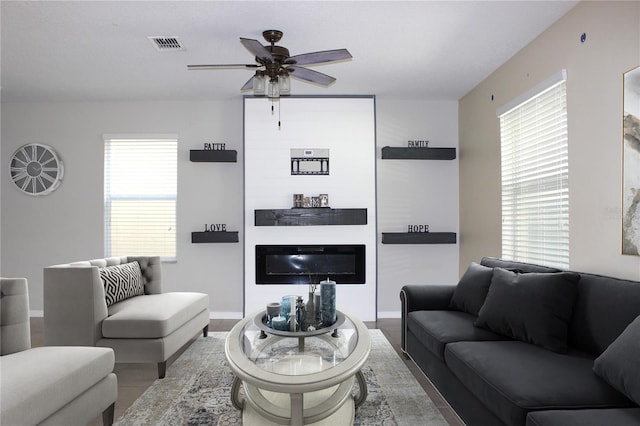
(122, 282)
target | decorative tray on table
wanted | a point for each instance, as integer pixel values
(261, 321)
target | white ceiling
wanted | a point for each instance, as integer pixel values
(99, 50)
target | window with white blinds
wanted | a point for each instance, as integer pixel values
(535, 178)
(140, 187)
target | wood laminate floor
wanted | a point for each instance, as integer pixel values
(134, 379)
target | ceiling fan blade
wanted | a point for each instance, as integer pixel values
(248, 85)
(310, 75)
(256, 48)
(320, 57)
(223, 66)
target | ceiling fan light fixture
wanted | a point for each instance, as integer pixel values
(274, 89)
(259, 85)
(284, 85)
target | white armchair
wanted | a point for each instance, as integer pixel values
(49, 385)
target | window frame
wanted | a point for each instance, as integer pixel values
(553, 245)
(109, 199)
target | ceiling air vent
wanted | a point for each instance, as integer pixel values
(166, 43)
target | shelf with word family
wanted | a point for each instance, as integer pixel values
(417, 150)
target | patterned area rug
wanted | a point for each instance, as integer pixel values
(197, 386)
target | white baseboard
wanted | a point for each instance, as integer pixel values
(389, 314)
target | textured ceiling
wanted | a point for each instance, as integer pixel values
(99, 50)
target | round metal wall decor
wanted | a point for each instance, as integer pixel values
(36, 169)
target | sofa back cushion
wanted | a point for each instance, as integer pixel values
(121, 282)
(604, 307)
(533, 307)
(494, 262)
(472, 289)
(15, 331)
(618, 365)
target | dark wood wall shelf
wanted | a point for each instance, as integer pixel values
(217, 156)
(215, 237)
(418, 238)
(403, 153)
(310, 217)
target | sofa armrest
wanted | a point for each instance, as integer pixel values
(74, 305)
(425, 297)
(421, 298)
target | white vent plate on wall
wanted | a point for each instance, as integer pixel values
(163, 43)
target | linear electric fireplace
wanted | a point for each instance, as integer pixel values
(298, 264)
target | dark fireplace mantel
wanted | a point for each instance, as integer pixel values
(310, 217)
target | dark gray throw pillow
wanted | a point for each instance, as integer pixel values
(619, 364)
(471, 291)
(532, 307)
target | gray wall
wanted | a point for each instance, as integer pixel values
(68, 224)
(594, 93)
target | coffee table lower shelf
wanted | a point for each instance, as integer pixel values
(330, 406)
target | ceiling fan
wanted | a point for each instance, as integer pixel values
(274, 66)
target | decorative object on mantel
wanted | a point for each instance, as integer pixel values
(419, 238)
(320, 201)
(308, 161)
(310, 217)
(215, 233)
(631, 164)
(274, 66)
(417, 153)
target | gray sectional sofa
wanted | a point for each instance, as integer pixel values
(521, 344)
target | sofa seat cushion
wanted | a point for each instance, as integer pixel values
(512, 378)
(152, 316)
(609, 416)
(437, 328)
(57, 375)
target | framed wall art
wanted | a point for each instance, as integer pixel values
(631, 163)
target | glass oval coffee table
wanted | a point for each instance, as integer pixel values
(298, 378)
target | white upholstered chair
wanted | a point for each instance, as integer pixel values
(48, 385)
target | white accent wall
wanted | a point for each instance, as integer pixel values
(67, 225)
(346, 127)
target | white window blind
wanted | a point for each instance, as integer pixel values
(140, 186)
(535, 179)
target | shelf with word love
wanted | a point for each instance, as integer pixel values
(215, 233)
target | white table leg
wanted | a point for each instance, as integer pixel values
(297, 409)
